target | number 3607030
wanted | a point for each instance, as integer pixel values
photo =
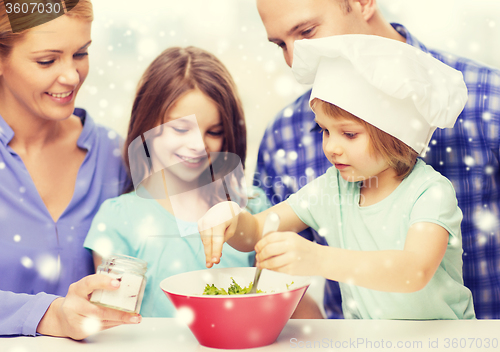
(33, 8)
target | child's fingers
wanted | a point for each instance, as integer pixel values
(206, 239)
(269, 238)
(276, 263)
(271, 250)
(220, 232)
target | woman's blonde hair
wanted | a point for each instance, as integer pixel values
(398, 155)
(8, 38)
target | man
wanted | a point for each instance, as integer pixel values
(290, 154)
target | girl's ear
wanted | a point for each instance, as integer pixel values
(367, 8)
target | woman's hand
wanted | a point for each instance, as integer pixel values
(75, 317)
(289, 253)
(216, 227)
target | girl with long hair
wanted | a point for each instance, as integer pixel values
(185, 151)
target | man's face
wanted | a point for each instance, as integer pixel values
(290, 20)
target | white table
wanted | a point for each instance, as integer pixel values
(169, 335)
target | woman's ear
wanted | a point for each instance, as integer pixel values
(367, 8)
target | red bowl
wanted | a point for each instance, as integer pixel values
(235, 321)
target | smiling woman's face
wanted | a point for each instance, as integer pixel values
(45, 70)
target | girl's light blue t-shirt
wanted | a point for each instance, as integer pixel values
(142, 228)
(330, 205)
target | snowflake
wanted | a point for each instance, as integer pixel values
(454, 242)
(482, 240)
(292, 155)
(489, 170)
(148, 227)
(485, 220)
(469, 160)
(437, 193)
(307, 329)
(307, 140)
(287, 180)
(176, 264)
(112, 135)
(288, 112)
(310, 171)
(416, 124)
(323, 231)
(91, 325)
(27, 262)
(352, 304)
(228, 304)
(185, 315)
(104, 247)
(280, 153)
(48, 267)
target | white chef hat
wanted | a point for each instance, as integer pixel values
(389, 84)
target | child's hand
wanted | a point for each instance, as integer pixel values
(289, 253)
(216, 227)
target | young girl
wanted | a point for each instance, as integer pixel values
(188, 111)
(392, 223)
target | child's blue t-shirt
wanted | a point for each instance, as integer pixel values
(330, 205)
(142, 228)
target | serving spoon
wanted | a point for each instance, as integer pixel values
(271, 224)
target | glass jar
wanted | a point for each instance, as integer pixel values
(130, 272)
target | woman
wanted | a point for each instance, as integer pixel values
(56, 167)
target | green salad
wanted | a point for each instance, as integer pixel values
(234, 289)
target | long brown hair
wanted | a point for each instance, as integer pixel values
(8, 38)
(175, 72)
(396, 153)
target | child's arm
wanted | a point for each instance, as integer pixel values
(243, 230)
(406, 270)
(307, 309)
